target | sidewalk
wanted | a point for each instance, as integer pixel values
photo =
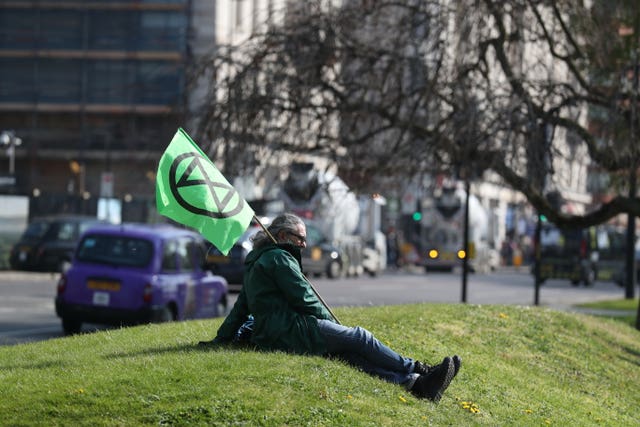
(602, 312)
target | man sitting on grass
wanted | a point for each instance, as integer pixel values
(286, 314)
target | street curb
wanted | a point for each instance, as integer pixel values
(13, 275)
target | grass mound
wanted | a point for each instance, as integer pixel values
(521, 366)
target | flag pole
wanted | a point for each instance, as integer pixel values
(255, 217)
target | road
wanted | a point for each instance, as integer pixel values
(27, 311)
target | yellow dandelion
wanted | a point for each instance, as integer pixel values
(80, 391)
(503, 315)
(528, 411)
(402, 399)
(349, 396)
(470, 406)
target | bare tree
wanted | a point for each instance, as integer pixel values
(398, 88)
(357, 85)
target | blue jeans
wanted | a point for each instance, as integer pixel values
(360, 348)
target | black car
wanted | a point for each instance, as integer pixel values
(231, 266)
(581, 255)
(320, 257)
(48, 243)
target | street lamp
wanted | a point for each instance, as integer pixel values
(9, 139)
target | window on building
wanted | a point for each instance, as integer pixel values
(113, 30)
(16, 80)
(162, 31)
(18, 29)
(61, 29)
(110, 82)
(159, 83)
(239, 14)
(59, 80)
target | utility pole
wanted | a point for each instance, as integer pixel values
(465, 260)
(631, 219)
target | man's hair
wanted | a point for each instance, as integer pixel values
(284, 222)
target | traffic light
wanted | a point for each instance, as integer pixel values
(417, 216)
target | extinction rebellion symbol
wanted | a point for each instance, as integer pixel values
(198, 173)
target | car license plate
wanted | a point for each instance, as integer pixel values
(101, 298)
(103, 285)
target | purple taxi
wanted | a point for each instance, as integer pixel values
(133, 273)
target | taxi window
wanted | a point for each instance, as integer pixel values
(169, 260)
(115, 250)
(185, 254)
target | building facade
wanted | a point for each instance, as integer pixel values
(94, 89)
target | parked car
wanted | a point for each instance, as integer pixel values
(581, 255)
(620, 277)
(131, 274)
(231, 266)
(320, 257)
(48, 242)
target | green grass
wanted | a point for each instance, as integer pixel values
(624, 310)
(618, 304)
(521, 366)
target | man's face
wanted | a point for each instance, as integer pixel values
(297, 238)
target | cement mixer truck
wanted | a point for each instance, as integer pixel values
(441, 232)
(350, 222)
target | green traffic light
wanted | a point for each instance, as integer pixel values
(417, 216)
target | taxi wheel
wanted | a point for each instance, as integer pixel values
(70, 326)
(166, 315)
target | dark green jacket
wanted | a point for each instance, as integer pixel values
(284, 306)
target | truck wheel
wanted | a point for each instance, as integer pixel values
(334, 269)
(70, 326)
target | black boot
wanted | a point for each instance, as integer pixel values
(423, 368)
(432, 384)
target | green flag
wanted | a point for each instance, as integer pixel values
(192, 191)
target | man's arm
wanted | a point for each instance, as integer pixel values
(296, 288)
